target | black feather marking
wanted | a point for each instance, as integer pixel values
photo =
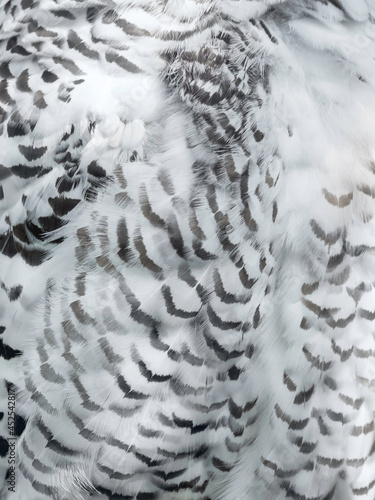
(4, 447)
(8, 352)
(316, 361)
(189, 424)
(22, 82)
(219, 350)
(147, 211)
(96, 170)
(145, 260)
(4, 173)
(50, 223)
(303, 396)
(75, 42)
(124, 252)
(62, 206)
(128, 391)
(149, 375)
(219, 323)
(122, 62)
(222, 466)
(5, 71)
(63, 13)
(292, 424)
(69, 65)
(31, 153)
(49, 77)
(15, 129)
(8, 245)
(172, 309)
(26, 172)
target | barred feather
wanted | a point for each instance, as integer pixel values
(187, 248)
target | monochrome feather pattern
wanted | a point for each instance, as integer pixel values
(187, 241)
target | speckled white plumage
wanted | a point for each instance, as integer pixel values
(187, 204)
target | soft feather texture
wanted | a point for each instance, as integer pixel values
(187, 264)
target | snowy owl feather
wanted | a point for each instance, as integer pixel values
(187, 242)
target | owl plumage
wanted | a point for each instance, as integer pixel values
(187, 248)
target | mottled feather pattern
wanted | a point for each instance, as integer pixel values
(187, 241)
